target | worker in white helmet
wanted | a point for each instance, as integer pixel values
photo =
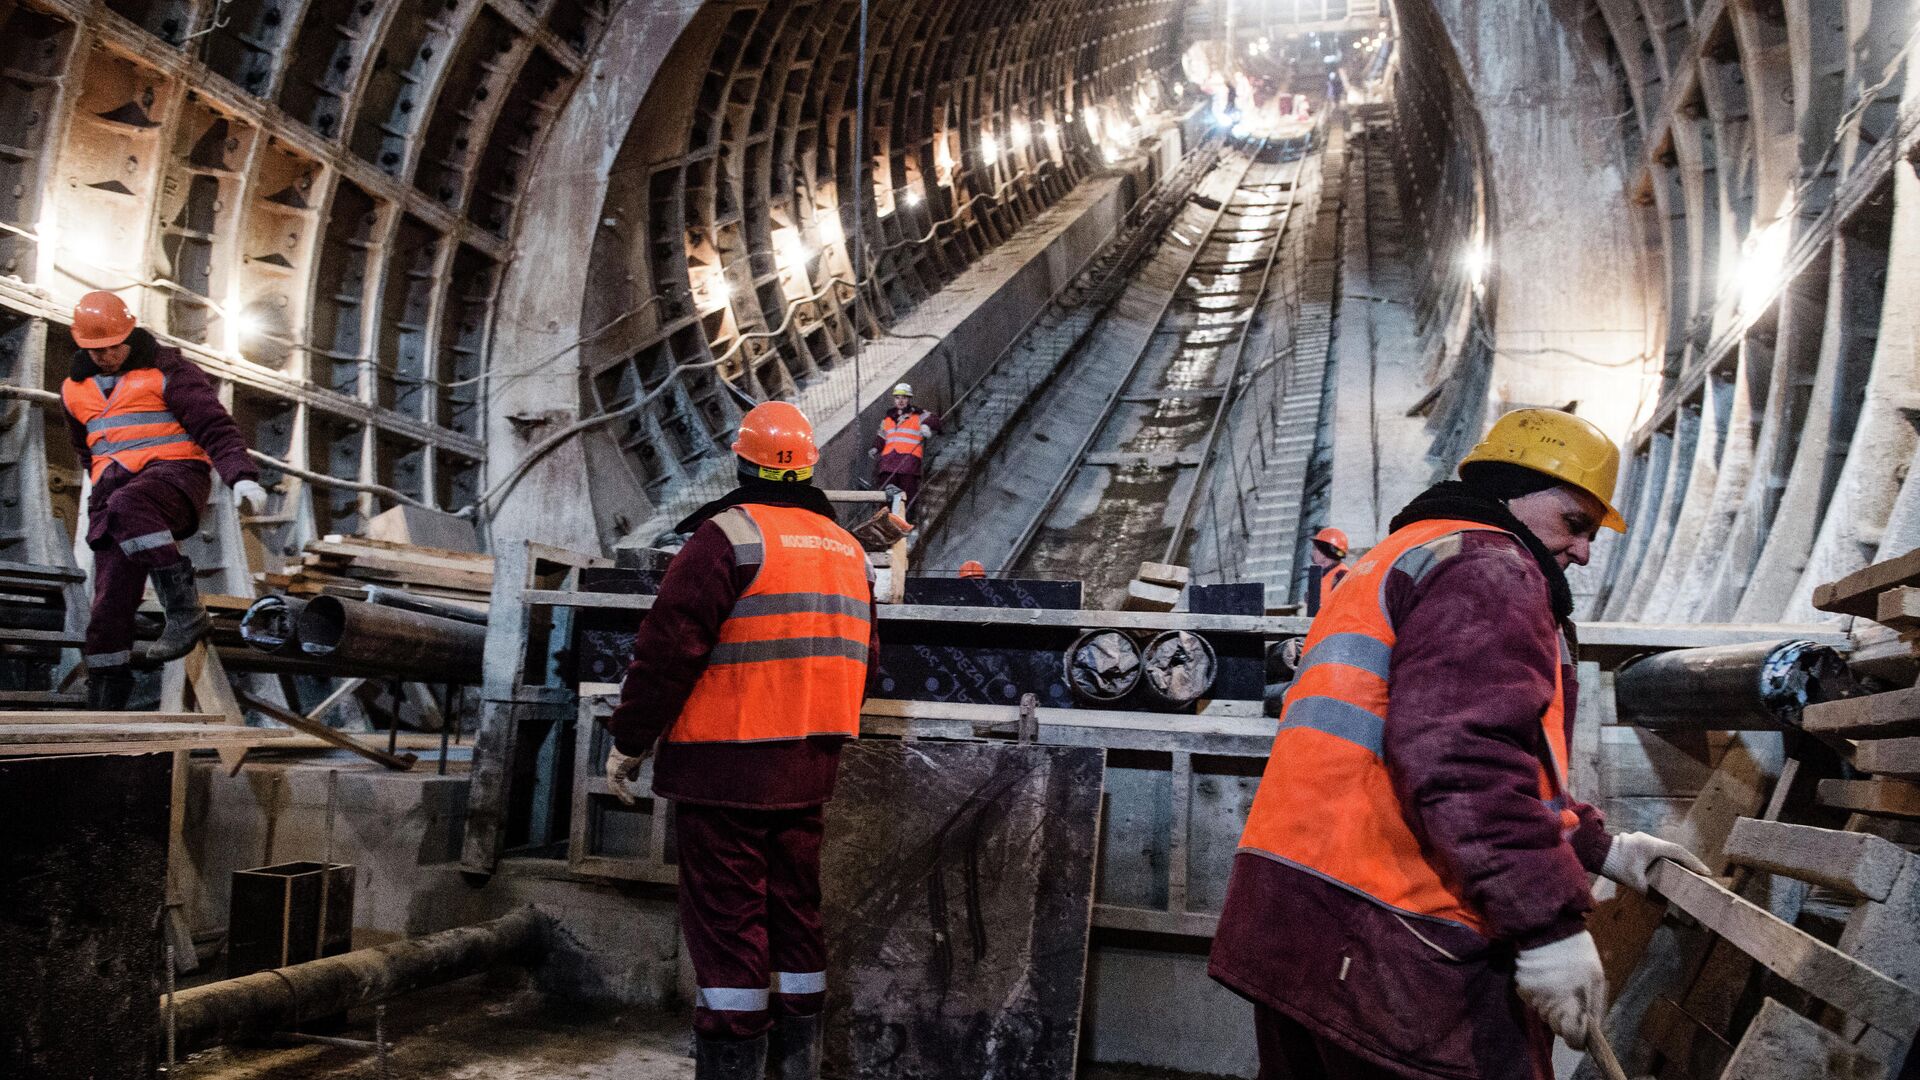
(900, 448)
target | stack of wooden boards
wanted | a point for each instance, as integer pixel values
(32, 734)
(345, 565)
(1803, 961)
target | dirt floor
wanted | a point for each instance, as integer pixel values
(474, 1031)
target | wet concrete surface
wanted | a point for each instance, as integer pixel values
(473, 1030)
(477, 1030)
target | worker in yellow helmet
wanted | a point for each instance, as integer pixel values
(1410, 895)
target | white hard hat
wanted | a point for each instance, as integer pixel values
(903, 390)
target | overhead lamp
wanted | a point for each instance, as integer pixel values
(1475, 260)
(827, 221)
(989, 148)
(1018, 133)
(912, 198)
(1762, 265)
(790, 251)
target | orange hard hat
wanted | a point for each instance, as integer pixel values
(776, 436)
(1334, 539)
(972, 568)
(101, 320)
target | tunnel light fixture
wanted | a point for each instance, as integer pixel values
(1475, 261)
(1762, 267)
(1018, 134)
(912, 199)
(827, 221)
(989, 147)
(790, 252)
(1091, 117)
(241, 324)
(1112, 153)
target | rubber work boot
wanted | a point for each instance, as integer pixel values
(109, 689)
(187, 618)
(729, 1059)
(794, 1050)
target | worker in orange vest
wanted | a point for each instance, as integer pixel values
(1411, 890)
(148, 430)
(1327, 552)
(901, 446)
(747, 677)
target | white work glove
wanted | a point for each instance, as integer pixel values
(1563, 982)
(249, 497)
(871, 452)
(621, 770)
(1633, 854)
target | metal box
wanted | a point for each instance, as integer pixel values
(274, 919)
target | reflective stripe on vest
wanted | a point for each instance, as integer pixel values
(1326, 802)
(904, 436)
(792, 656)
(131, 426)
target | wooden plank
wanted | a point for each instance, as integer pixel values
(1897, 758)
(41, 637)
(1854, 863)
(567, 598)
(1146, 596)
(1612, 643)
(213, 694)
(1084, 619)
(41, 572)
(1889, 798)
(399, 763)
(1858, 593)
(20, 740)
(1780, 1044)
(1899, 608)
(12, 719)
(1158, 573)
(40, 698)
(1791, 953)
(1875, 716)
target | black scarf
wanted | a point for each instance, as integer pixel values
(766, 493)
(1458, 500)
(140, 349)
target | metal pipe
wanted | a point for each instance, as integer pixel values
(386, 596)
(260, 1004)
(272, 625)
(403, 644)
(1760, 685)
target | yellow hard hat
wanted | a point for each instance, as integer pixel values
(1560, 445)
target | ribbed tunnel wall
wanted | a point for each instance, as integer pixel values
(316, 197)
(724, 257)
(1771, 145)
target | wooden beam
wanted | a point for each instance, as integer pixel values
(1899, 607)
(22, 740)
(1875, 716)
(398, 763)
(1780, 1044)
(1612, 643)
(1858, 593)
(1888, 798)
(14, 719)
(1791, 953)
(1896, 758)
(1858, 864)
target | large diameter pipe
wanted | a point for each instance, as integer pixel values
(257, 1005)
(402, 644)
(272, 625)
(1754, 686)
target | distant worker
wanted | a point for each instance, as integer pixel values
(1328, 549)
(972, 568)
(901, 445)
(749, 672)
(1410, 895)
(149, 430)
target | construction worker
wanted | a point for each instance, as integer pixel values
(1410, 894)
(149, 430)
(748, 673)
(973, 568)
(901, 446)
(1327, 552)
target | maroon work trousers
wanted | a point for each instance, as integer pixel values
(750, 911)
(907, 482)
(1289, 1050)
(133, 521)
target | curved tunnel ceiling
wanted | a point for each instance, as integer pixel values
(724, 244)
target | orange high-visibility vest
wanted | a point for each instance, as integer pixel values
(132, 425)
(1326, 802)
(906, 436)
(792, 656)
